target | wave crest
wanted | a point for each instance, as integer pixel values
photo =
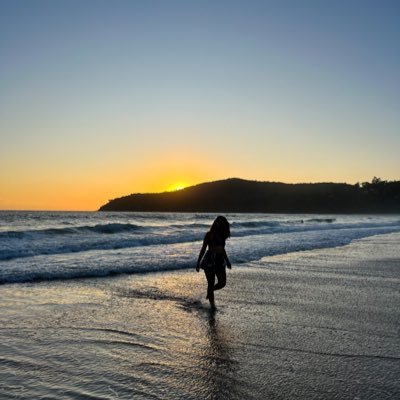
(99, 228)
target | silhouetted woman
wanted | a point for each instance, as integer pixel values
(215, 259)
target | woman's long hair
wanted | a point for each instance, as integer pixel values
(221, 227)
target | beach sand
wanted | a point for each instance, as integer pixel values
(320, 324)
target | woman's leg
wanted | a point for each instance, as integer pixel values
(221, 275)
(210, 275)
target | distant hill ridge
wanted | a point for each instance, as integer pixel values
(239, 195)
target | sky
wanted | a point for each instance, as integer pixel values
(100, 99)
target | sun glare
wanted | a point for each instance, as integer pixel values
(176, 186)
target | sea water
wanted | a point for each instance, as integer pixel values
(37, 246)
(317, 324)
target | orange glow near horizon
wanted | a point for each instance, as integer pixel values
(77, 197)
(87, 185)
(80, 188)
(90, 193)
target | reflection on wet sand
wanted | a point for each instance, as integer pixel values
(219, 363)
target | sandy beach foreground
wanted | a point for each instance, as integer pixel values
(321, 324)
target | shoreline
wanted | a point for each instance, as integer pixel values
(318, 324)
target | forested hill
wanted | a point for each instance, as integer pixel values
(238, 195)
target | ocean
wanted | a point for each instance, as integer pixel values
(109, 306)
(37, 246)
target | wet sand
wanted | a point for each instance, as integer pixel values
(321, 324)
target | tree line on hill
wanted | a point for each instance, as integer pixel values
(239, 195)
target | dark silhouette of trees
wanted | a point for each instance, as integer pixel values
(238, 195)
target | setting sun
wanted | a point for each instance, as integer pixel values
(176, 186)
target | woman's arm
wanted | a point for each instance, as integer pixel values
(202, 251)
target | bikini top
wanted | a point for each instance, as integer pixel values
(215, 240)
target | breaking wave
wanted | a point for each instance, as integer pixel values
(43, 245)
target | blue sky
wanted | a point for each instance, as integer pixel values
(126, 96)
